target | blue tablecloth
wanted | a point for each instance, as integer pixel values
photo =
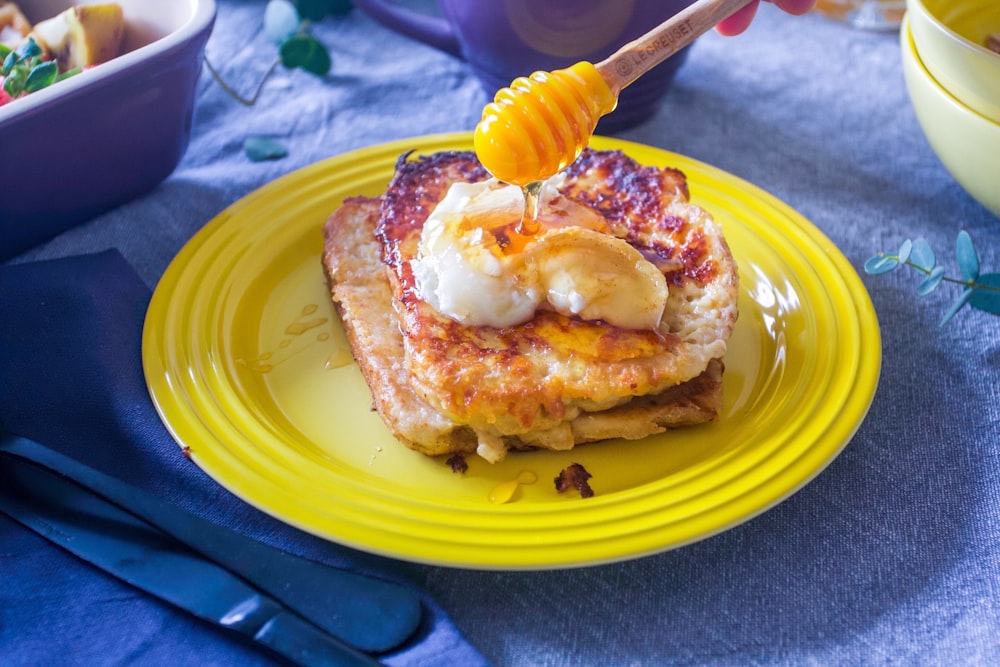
(890, 556)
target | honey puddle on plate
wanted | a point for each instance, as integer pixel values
(306, 322)
(504, 491)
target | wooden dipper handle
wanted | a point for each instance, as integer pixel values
(640, 55)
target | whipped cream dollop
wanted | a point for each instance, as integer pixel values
(473, 267)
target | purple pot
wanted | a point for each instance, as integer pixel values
(90, 143)
(504, 39)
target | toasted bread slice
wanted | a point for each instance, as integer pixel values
(553, 382)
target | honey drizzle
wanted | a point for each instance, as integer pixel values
(266, 361)
(504, 491)
(529, 225)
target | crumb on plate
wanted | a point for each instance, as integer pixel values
(574, 476)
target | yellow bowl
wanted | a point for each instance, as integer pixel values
(950, 37)
(967, 143)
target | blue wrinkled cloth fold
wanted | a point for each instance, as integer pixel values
(71, 378)
(890, 556)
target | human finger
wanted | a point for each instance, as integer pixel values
(739, 21)
(795, 7)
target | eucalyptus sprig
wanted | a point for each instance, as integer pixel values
(288, 25)
(979, 290)
(24, 71)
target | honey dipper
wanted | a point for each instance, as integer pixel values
(541, 123)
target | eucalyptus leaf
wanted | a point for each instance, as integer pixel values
(986, 295)
(922, 255)
(960, 302)
(287, 23)
(880, 264)
(930, 283)
(307, 52)
(981, 292)
(968, 259)
(903, 255)
(260, 149)
(281, 20)
(314, 10)
(41, 76)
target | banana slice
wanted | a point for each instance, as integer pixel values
(599, 277)
(573, 265)
(83, 35)
(14, 27)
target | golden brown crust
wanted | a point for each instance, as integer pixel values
(539, 375)
(361, 294)
(556, 381)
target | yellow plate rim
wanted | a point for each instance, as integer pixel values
(195, 382)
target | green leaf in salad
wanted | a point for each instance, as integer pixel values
(13, 83)
(9, 61)
(28, 49)
(41, 76)
(25, 72)
(67, 74)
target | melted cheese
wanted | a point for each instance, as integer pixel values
(473, 267)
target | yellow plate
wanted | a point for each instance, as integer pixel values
(248, 366)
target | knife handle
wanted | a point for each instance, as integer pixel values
(369, 614)
(106, 536)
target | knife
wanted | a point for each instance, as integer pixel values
(363, 612)
(141, 555)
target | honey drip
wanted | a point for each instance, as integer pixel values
(340, 358)
(530, 225)
(504, 491)
(299, 328)
(536, 217)
(540, 123)
(295, 342)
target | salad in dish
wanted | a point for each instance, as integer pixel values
(34, 56)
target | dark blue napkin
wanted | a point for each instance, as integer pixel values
(71, 378)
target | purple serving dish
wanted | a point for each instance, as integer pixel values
(504, 39)
(92, 142)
